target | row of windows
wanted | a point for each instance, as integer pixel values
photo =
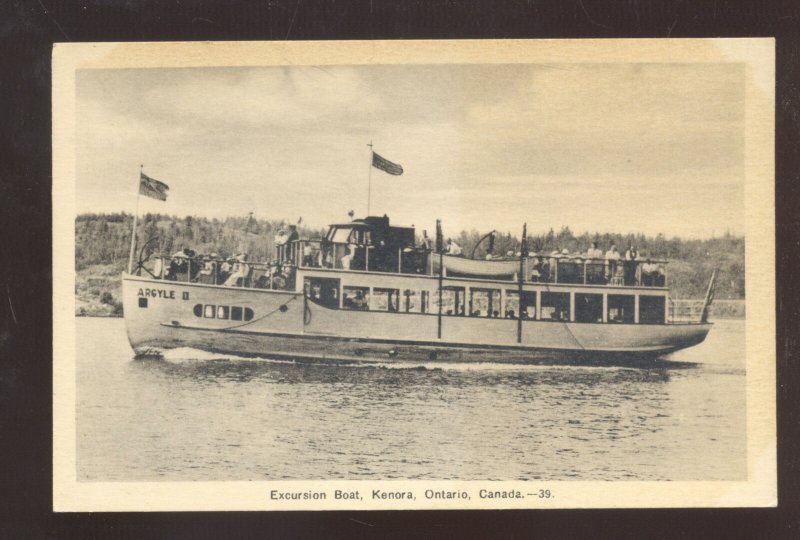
(234, 313)
(488, 303)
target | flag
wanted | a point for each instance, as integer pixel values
(385, 165)
(150, 187)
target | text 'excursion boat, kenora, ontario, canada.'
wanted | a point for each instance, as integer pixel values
(368, 290)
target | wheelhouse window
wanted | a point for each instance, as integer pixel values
(651, 309)
(555, 306)
(484, 303)
(588, 308)
(355, 298)
(385, 299)
(620, 308)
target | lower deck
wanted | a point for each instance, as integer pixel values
(168, 314)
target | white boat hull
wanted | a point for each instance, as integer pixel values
(286, 324)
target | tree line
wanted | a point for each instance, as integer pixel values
(105, 239)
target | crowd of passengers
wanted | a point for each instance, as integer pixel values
(234, 271)
(611, 267)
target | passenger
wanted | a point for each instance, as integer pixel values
(308, 258)
(630, 265)
(291, 243)
(426, 242)
(618, 278)
(594, 252)
(453, 248)
(510, 314)
(536, 271)
(461, 311)
(360, 301)
(612, 258)
(495, 313)
(346, 259)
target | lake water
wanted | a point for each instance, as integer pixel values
(199, 416)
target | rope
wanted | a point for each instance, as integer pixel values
(284, 305)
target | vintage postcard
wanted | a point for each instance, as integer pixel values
(414, 275)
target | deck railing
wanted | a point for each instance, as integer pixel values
(415, 261)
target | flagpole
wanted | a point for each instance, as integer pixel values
(369, 178)
(135, 216)
(440, 248)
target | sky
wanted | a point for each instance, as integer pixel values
(651, 148)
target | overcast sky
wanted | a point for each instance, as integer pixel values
(653, 148)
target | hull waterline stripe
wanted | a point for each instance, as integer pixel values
(434, 344)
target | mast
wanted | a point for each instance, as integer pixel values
(440, 248)
(135, 217)
(523, 252)
(369, 178)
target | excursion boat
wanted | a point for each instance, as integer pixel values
(368, 291)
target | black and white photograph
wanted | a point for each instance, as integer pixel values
(414, 275)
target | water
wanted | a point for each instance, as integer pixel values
(198, 416)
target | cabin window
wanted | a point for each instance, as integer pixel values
(651, 309)
(588, 308)
(512, 304)
(248, 314)
(410, 301)
(355, 298)
(453, 301)
(385, 299)
(323, 291)
(210, 311)
(236, 313)
(143, 302)
(555, 306)
(222, 312)
(528, 304)
(484, 303)
(620, 308)
(198, 310)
